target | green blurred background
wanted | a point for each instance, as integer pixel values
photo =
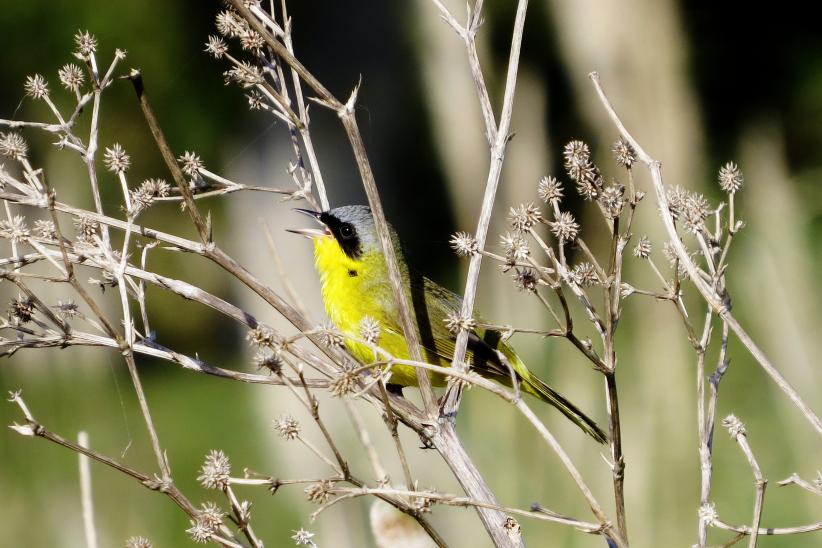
(698, 84)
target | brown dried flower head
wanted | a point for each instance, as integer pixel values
(215, 471)
(515, 247)
(456, 323)
(346, 383)
(138, 542)
(71, 77)
(86, 44)
(730, 178)
(303, 538)
(200, 531)
(370, 329)
(36, 86)
(116, 159)
(229, 24)
(624, 153)
(288, 427)
(329, 336)
(643, 248)
(526, 280)
(585, 275)
(45, 229)
(613, 200)
(464, 244)
(15, 229)
(565, 227)
(13, 145)
(576, 153)
(192, 164)
(524, 217)
(262, 336)
(550, 190)
(216, 47)
(319, 492)
(21, 310)
(273, 361)
(245, 74)
(211, 514)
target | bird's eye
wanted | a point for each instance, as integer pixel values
(346, 231)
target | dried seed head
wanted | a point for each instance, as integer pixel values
(216, 47)
(211, 514)
(149, 191)
(86, 229)
(585, 275)
(526, 280)
(192, 164)
(730, 178)
(86, 44)
(21, 310)
(319, 492)
(464, 244)
(565, 227)
(45, 229)
(524, 216)
(215, 471)
(624, 153)
(116, 159)
(345, 384)
(71, 76)
(329, 336)
(67, 309)
(245, 74)
(670, 254)
(643, 248)
(200, 531)
(255, 100)
(734, 426)
(252, 41)
(694, 212)
(15, 229)
(576, 152)
(138, 542)
(12, 144)
(262, 336)
(273, 361)
(456, 323)
(370, 329)
(36, 86)
(229, 24)
(550, 190)
(288, 427)
(515, 247)
(677, 199)
(613, 201)
(303, 538)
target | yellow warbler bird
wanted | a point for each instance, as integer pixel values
(355, 286)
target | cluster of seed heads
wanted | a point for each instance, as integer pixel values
(288, 427)
(319, 492)
(147, 194)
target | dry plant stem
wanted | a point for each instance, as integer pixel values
(123, 345)
(37, 429)
(452, 500)
(759, 483)
(86, 498)
(391, 424)
(380, 473)
(806, 485)
(706, 425)
(606, 527)
(716, 301)
(768, 531)
(240, 519)
(501, 137)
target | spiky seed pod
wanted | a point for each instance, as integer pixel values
(550, 190)
(624, 153)
(215, 471)
(730, 178)
(565, 227)
(464, 244)
(288, 427)
(643, 248)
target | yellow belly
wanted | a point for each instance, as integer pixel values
(354, 289)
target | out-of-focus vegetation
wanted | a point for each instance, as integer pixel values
(697, 86)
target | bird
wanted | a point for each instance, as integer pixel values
(355, 286)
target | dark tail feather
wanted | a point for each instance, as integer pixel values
(533, 385)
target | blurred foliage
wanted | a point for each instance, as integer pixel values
(767, 69)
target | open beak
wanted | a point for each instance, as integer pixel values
(310, 232)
